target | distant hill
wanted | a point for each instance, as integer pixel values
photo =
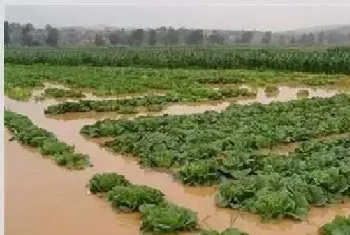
(342, 29)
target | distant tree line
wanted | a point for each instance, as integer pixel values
(27, 35)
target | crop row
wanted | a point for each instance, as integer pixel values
(315, 174)
(157, 214)
(336, 61)
(31, 135)
(21, 79)
(170, 141)
(152, 103)
(62, 93)
(340, 225)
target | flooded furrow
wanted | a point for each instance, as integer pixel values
(285, 93)
(65, 183)
(42, 199)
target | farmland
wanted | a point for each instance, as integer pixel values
(108, 112)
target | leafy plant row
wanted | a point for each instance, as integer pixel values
(157, 214)
(172, 141)
(62, 93)
(129, 105)
(315, 174)
(104, 81)
(31, 135)
(339, 226)
(332, 61)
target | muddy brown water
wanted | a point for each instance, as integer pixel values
(89, 93)
(285, 93)
(42, 198)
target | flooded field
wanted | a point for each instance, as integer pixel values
(35, 187)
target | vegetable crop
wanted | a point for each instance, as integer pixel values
(62, 93)
(176, 141)
(157, 214)
(339, 226)
(105, 81)
(315, 174)
(31, 135)
(102, 183)
(130, 198)
(228, 231)
(126, 106)
(167, 217)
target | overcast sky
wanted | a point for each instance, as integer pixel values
(229, 14)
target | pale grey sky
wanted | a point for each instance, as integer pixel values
(224, 14)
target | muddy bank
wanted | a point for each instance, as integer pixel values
(32, 177)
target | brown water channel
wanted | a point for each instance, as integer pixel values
(42, 198)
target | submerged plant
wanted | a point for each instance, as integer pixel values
(167, 217)
(228, 231)
(131, 197)
(104, 182)
(31, 135)
(339, 226)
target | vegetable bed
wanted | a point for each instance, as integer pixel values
(31, 135)
(158, 215)
(188, 140)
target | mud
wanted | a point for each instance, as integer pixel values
(36, 188)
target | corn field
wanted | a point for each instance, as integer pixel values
(330, 61)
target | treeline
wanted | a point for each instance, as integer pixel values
(27, 35)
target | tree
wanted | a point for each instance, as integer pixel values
(113, 38)
(282, 39)
(27, 37)
(172, 36)
(15, 30)
(99, 39)
(292, 41)
(6, 33)
(247, 37)
(216, 38)
(152, 40)
(320, 38)
(303, 39)
(52, 35)
(310, 39)
(195, 37)
(137, 37)
(237, 40)
(267, 38)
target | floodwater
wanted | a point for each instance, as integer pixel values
(35, 187)
(88, 93)
(285, 93)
